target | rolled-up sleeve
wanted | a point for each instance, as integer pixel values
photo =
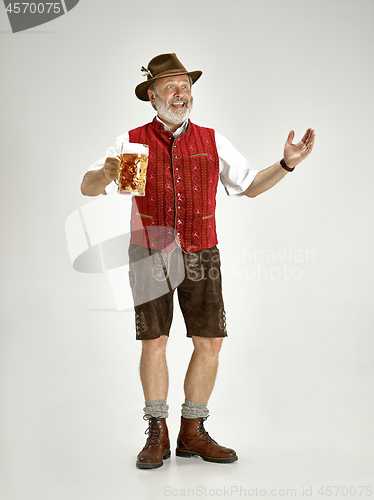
(235, 173)
(114, 150)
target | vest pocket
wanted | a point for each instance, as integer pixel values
(198, 154)
(208, 217)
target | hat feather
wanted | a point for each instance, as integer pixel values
(145, 72)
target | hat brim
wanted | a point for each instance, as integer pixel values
(141, 89)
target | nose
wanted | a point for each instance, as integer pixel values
(181, 90)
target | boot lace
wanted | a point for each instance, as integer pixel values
(153, 431)
(202, 432)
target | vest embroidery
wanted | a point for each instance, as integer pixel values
(181, 187)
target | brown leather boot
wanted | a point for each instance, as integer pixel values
(157, 446)
(193, 439)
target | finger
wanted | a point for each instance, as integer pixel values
(310, 144)
(111, 168)
(113, 160)
(109, 174)
(311, 135)
(306, 135)
(290, 137)
(310, 140)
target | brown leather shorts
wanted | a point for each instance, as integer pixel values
(154, 276)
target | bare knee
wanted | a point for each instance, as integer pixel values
(155, 346)
(207, 346)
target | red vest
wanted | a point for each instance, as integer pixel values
(180, 194)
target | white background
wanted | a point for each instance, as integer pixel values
(295, 383)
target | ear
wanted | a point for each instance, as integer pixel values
(151, 96)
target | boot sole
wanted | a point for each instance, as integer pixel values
(140, 465)
(189, 454)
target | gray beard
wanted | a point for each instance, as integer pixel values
(172, 115)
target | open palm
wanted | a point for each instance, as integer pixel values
(295, 153)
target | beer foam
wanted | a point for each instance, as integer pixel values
(133, 147)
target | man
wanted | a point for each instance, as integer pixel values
(185, 163)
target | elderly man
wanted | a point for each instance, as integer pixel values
(185, 163)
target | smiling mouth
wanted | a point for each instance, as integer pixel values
(178, 105)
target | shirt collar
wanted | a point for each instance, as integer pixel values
(179, 131)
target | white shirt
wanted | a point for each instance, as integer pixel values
(235, 172)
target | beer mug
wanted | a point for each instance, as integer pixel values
(132, 174)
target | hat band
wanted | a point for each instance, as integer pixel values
(170, 71)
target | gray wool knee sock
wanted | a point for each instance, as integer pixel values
(194, 410)
(157, 409)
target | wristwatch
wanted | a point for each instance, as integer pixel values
(283, 165)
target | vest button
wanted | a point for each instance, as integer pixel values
(175, 156)
(178, 181)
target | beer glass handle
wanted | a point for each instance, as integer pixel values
(121, 150)
(137, 163)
